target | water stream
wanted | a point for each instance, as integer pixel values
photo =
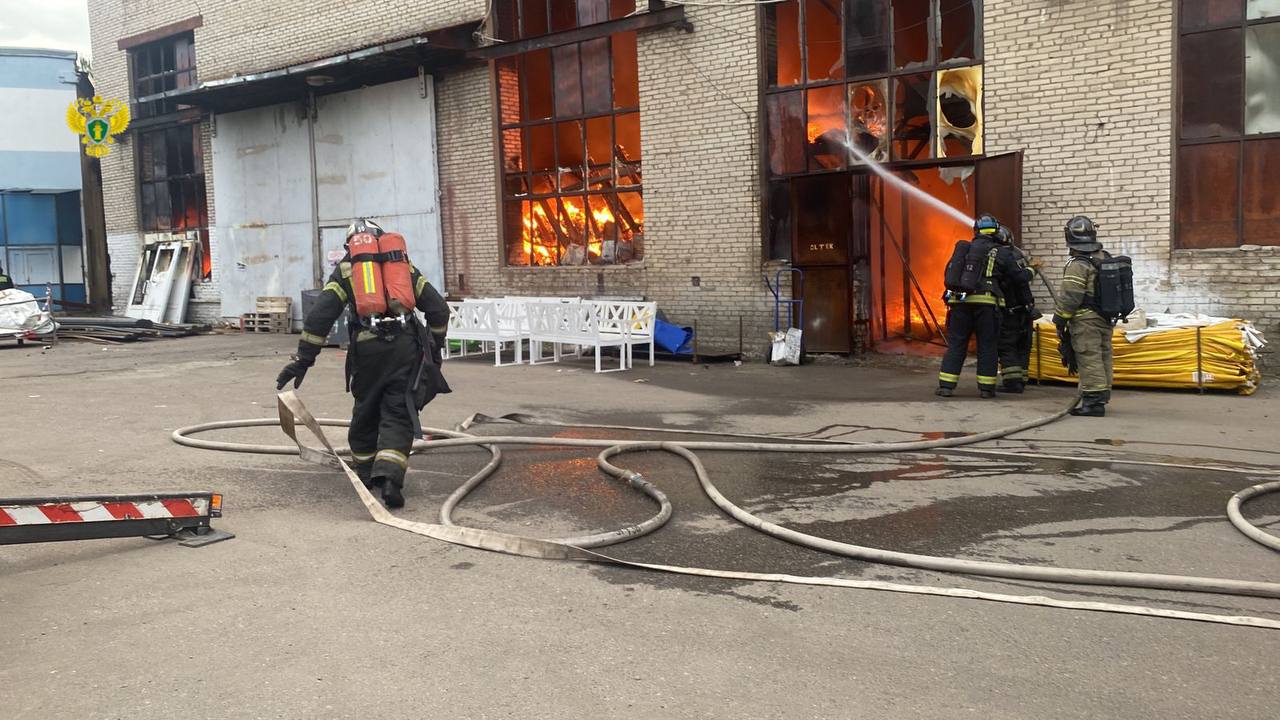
(907, 187)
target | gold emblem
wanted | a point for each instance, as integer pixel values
(97, 122)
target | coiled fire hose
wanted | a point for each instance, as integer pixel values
(292, 411)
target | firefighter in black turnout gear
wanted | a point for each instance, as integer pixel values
(393, 363)
(1017, 317)
(974, 298)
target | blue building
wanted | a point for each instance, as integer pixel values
(41, 220)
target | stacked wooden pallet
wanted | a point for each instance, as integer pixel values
(273, 315)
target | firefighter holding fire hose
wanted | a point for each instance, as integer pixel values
(393, 363)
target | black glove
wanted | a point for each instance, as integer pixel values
(294, 371)
(1060, 323)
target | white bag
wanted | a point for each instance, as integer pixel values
(786, 347)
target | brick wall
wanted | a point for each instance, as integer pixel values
(701, 197)
(1086, 90)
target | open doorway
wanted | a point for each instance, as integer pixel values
(873, 254)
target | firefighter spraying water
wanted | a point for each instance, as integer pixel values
(393, 362)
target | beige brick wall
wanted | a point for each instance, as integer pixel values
(1086, 90)
(701, 196)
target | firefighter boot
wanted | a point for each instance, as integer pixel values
(392, 496)
(986, 393)
(1092, 404)
(943, 392)
(1012, 386)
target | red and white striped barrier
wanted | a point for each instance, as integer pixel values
(25, 520)
(95, 511)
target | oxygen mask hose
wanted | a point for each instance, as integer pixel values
(292, 412)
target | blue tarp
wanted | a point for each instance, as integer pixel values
(672, 338)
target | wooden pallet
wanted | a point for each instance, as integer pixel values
(272, 304)
(273, 322)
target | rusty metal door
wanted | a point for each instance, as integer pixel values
(823, 209)
(998, 188)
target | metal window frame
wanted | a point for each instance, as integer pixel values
(197, 146)
(891, 77)
(503, 198)
(1178, 142)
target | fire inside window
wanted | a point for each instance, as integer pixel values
(1228, 124)
(570, 139)
(897, 79)
(169, 151)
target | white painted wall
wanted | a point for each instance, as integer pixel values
(34, 120)
(375, 157)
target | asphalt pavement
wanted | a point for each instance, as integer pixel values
(314, 611)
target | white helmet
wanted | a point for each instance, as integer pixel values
(363, 225)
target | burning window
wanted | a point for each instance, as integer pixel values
(570, 151)
(869, 119)
(848, 57)
(1229, 79)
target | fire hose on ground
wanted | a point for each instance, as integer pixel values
(292, 411)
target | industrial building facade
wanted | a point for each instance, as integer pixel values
(686, 153)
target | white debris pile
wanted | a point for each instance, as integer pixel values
(20, 314)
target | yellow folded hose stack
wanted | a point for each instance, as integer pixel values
(1220, 359)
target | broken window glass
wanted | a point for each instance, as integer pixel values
(592, 11)
(1208, 195)
(869, 119)
(1262, 79)
(570, 158)
(536, 74)
(602, 231)
(626, 74)
(630, 211)
(782, 43)
(912, 126)
(958, 30)
(1259, 9)
(1211, 84)
(564, 15)
(866, 38)
(827, 132)
(823, 30)
(533, 18)
(786, 132)
(596, 88)
(780, 220)
(507, 71)
(568, 80)
(1201, 14)
(960, 112)
(627, 148)
(600, 152)
(1261, 201)
(911, 33)
(540, 145)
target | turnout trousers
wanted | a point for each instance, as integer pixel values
(382, 421)
(1015, 345)
(964, 320)
(1091, 338)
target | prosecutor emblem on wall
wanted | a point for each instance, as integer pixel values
(97, 122)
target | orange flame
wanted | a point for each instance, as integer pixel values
(543, 233)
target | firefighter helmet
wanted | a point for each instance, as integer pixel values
(363, 225)
(986, 224)
(1082, 234)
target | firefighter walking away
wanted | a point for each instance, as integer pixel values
(974, 277)
(1017, 317)
(1097, 292)
(393, 362)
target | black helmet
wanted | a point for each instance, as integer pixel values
(363, 225)
(1004, 235)
(986, 224)
(1082, 234)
